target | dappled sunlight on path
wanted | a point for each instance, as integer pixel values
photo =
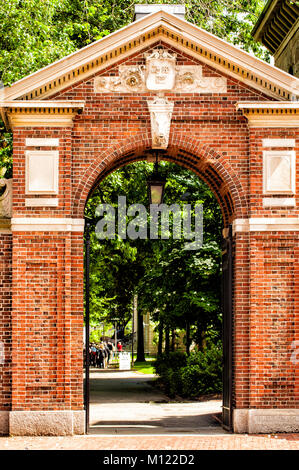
(127, 402)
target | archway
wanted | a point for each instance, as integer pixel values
(210, 168)
(203, 160)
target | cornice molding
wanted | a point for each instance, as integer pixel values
(158, 26)
(270, 113)
(40, 113)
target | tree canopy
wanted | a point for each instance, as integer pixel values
(173, 284)
(35, 33)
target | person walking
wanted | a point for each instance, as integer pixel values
(100, 358)
(93, 355)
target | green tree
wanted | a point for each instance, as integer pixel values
(176, 286)
(35, 33)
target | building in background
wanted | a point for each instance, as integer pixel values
(278, 30)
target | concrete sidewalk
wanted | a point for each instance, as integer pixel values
(127, 403)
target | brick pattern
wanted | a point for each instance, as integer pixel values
(47, 321)
(208, 136)
(273, 319)
(5, 321)
(147, 442)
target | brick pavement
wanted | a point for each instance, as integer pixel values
(144, 442)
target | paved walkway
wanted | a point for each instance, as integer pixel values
(127, 403)
(165, 442)
(127, 413)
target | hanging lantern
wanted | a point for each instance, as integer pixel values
(156, 184)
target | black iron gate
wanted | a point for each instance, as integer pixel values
(86, 358)
(227, 303)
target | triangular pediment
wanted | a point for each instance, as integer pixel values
(175, 32)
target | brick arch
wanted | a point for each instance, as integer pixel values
(203, 160)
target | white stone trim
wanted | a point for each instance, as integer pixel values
(34, 163)
(41, 202)
(279, 202)
(46, 423)
(266, 224)
(240, 225)
(41, 224)
(270, 113)
(41, 120)
(40, 104)
(40, 142)
(284, 143)
(273, 120)
(255, 421)
(288, 156)
(267, 105)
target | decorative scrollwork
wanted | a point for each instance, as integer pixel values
(160, 74)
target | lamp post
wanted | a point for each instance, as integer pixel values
(156, 184)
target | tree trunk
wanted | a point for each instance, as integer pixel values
(140, 339)
(160, 343)
(167, 340)
(188, 338)
(173, 340)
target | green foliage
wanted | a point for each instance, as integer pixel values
(168, 367)
(35, 33)
(203, 372)
(229, 20)
(180, 285)
(95, 336)
(172, 284)
(193, 376)
(30, 37)
(174, 360)
(5, 153)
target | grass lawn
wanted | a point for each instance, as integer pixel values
(146, 367)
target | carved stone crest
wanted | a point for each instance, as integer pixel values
(160, 70)
(161, 112)
(160, 73)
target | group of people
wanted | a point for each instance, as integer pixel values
(102, 353)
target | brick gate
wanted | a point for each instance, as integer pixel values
(229, 117)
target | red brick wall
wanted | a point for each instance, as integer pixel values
(5, 321)
(212, 139)
(274, 267)
(47, 321)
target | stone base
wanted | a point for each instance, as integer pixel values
(263, 421)
(46, 423)
(4, 423)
